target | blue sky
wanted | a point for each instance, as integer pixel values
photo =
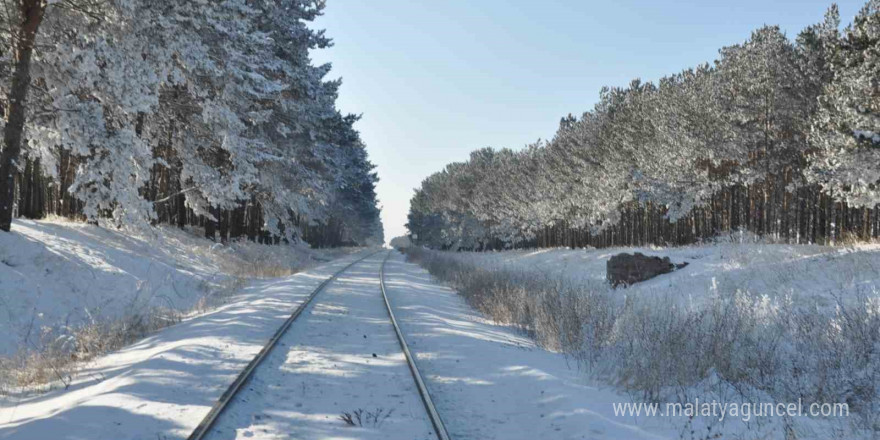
(435, 80)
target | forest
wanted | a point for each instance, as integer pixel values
(778, 138)
(132, 113)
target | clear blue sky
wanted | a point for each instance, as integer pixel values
(435, 80)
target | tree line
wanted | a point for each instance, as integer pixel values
(777, 137)
(131, 113)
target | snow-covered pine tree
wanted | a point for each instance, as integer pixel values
(766, 96)
(708, 150)
(846, 129)
(189, 112)
(23, 19)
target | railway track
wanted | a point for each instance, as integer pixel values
(205, 426)
(436, 421)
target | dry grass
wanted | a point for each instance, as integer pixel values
(249, 260)
(60, 354)
(260, 265)
(55, 356)
(658, 351)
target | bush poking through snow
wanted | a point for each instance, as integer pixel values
(754, 346)
(362, 418)
(219, 293)
(61, 355)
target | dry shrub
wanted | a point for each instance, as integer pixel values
(62, 352)
(219, 293)
(661, 351)
(56, 355)
(363, 418)
(249, 260)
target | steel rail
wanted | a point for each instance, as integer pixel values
(439, 428)
(205, 426)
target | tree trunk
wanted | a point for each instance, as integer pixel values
(180, 205)
(236, 224)
(211, 225)
(223, 225)
(32, 15)
(252, 220)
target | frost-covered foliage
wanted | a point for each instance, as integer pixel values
(194, 112)
(778, 137)
(846, 130)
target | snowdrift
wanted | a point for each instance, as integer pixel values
(57, 275)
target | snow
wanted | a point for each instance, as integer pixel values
(56, 275)
(813, 276)
(805, 272)
(489, 382)
(325, 366)
(162, 386)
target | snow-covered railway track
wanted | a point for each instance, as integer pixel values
(315, 352)
(205, 425)
(436, 421)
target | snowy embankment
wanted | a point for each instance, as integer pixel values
(162, 386)
(805, 272)
(742, 323)
(58, 277)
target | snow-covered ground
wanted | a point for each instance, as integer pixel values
(819, 273)
(489, 382)
(56, 275)
(340, 356)
(162, 386)
(813, 278)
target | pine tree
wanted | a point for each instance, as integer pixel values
(846, 129)
(23, 18)
(210, 114)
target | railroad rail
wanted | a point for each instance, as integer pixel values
(205, 425)
(220, 405)
(436, 421)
